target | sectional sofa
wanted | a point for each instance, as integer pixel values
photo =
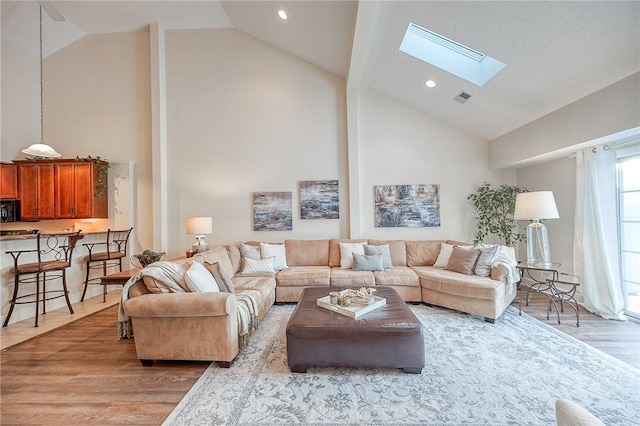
(204, 326)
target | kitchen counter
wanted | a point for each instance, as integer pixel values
(28, 236)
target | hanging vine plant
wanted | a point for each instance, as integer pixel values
(494, 213)
(102, 180)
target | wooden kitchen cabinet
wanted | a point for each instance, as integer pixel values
(35, 181)
(8, 181)
(78, 190)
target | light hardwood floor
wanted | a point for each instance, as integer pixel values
(82, 374)
(24, 330)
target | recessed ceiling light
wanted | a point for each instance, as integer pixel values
(282, 14)
(430, 83)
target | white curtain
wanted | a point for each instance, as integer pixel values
(595, 244)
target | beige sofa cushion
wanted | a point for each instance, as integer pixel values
(398, 275)
(217, 254)
(350, 278)
(457, 243)
(397, 248)
(263, 284)
(235, 256)
(454, 283)
(423, 253)
(307, 252)
(334, 250)
(299, 276)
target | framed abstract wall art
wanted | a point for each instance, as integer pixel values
(319, 199)
(272, 211)
(407, 206)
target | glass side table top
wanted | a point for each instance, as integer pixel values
(551, 267)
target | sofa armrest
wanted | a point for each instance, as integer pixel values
(499, 272)
(181, 305)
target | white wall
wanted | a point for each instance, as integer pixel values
(558, 176)
(400, 145)
(246, 117)
(98, 103)
(611, 110)
(20, 76)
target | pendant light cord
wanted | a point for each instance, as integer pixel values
(41, 87)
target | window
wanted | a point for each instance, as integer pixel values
(449, 55)
(629, 225)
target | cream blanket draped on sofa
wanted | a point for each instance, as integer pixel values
(171, 276)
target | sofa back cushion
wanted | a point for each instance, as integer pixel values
(235, 256)
(307, 252)
(397, 248)
(458, 243)
(423, 253)
(217, 254)
(334, 249)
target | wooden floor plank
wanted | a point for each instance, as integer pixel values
(82, 374)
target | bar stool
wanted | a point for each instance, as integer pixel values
(54, 253)
(114, 249)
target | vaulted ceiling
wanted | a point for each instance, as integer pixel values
(555, 52)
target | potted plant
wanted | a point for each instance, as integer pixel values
(494, 208)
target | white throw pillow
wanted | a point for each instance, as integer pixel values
(275, 250)
(487, 257)
(261, 266)
(443, 257)
(346, 253)
(199, 279)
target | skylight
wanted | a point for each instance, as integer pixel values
(449, 55)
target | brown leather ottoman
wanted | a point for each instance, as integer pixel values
(390, 336)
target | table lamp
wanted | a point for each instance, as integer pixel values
(199, 226)
(535, 206)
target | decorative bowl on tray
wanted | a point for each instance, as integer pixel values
(147, 257)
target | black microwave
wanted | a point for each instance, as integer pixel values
(9, 210)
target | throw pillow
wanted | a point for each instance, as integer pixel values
(463, 260)
(346, 253)
(199, 279)
(382, 249)
(250, 252)
(221, 277)
(488, 255)
(445, 254)
(262, 266)
(368, 262)
(278, 251)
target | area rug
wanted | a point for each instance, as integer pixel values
(507, 373)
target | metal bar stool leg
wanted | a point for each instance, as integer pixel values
(13, 299)
(37, 296)
(104, 287)
(44, 293)
(86, 282)
(66, 292)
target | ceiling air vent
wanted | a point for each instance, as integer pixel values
(462, 97)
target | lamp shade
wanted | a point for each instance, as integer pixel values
(41, 150)
(535, 206)
(199, 225)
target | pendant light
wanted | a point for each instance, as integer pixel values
(41, 150)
